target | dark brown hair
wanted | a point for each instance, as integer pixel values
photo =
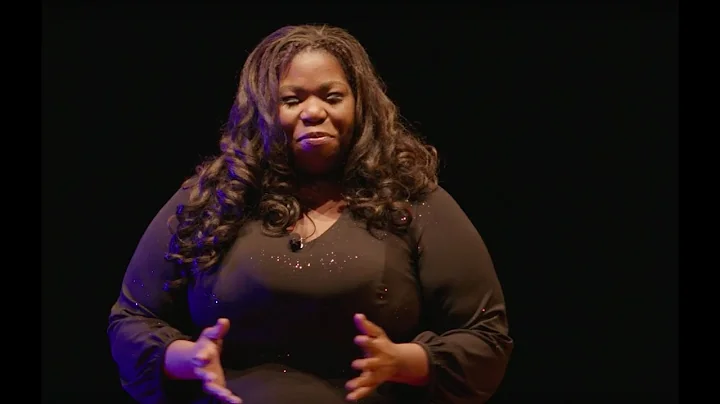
(386, 169)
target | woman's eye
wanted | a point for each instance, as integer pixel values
(289, 100)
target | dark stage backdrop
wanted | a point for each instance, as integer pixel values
(558, 134)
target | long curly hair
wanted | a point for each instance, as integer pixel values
(386, 169)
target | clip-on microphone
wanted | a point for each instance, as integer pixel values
(296, 242)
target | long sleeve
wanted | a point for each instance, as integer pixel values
(146, 318)
(466, 337)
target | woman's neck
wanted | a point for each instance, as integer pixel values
(314, 193)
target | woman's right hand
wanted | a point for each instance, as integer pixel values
(205, 358)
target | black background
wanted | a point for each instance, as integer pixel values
(557, 129)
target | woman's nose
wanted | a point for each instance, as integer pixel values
(313, 113)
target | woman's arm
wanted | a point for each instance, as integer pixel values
(466, 342)
(148, 324)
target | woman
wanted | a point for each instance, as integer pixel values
(315, 260)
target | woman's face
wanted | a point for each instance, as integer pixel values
(317, 111)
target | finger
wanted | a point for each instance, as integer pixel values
(205, 375)
(199, 361)
(222, 326)
(365, 342)
(367, 327)
(201, 358)
(221, 393)
(367, 364)
(233, 399)
(204, 355)
(366, 379)
(360, 393)
(217, 331)
(208, 378)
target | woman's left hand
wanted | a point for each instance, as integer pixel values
(381, 363)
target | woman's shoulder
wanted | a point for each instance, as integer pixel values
(436, 196)
(177, 200)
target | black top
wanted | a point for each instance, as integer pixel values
(291, 313)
